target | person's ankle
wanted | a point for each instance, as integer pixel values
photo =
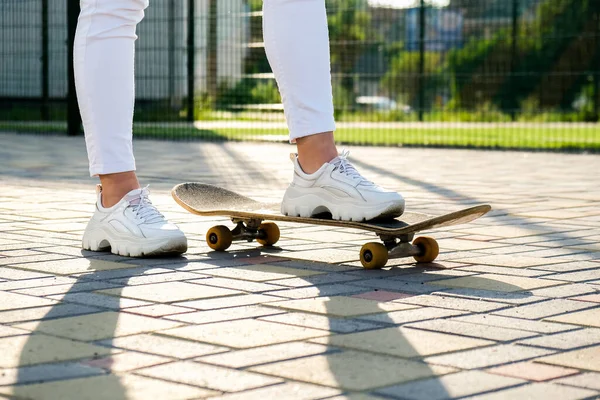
(116, 186)
(316, 150)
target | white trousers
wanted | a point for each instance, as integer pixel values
(297, 45)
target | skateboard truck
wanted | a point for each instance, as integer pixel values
(373, 255)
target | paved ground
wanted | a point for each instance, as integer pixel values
(511, 310)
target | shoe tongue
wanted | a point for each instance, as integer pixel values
(134, 197)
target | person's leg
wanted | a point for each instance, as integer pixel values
(125, 220)
(104, 72)
(297, 45)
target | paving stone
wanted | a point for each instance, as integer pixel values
(585, 318)
(488, 356)
(450, 386)
(48, 282)
(19, 351)
(45, 373)
(472, 330)
(568, 290)
(108, 387)
(490, 295)
(13, 301)
(18, 274)
(403, 342)
(228, 314)
(128, 272)
(49, 264)
(579, 276)
(587, 359)
(544, 309)
(99, 300)
(566, 340)
(314, 280)
(511, 261)
(6, 331)
(244, 333)
(169, 292)
(265, 354)
(70, 288)
(157, 278)
(382, 295)
(98, 326)
(209, 376)
(352, 370)
(43, 313)
(452, 303)
(340, 306)
(532, 371)
(237, 284)
(494, 282)
(593, 298)
(569, 266)
(490, 269)
(288, 391)
(260, 273)
(162, 345)
(229, 301)
(159, 310)
(538, 391)
(25, 262)
(515, 323)
(588, 380)
(396, 285)
(126, 361)
(328, 323)
(414, 315)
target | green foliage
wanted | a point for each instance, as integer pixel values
(552, 50)
(403, 81)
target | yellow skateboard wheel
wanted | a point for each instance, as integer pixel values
(219, 238)
(271, 232)
(429, 247)
(373, 255)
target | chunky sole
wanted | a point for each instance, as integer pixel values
(302, 204)
(100, 240)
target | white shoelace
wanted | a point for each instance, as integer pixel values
(143, 207)
(345, 167)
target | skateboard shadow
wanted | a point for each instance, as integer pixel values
(46, 369)
(374, 339)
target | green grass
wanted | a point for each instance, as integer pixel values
(578, 138)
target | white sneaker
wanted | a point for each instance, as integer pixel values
(132, 227)
(339, 189)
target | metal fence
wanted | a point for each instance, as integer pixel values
(491, 73)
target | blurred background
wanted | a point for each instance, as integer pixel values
(518, 74)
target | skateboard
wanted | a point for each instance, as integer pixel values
(249, 215)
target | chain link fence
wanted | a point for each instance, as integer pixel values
(483, 73)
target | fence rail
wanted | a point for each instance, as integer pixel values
(452, 61)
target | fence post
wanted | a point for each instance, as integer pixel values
(513, 50)
(45, 62)
(191, 59)
(212, 58)
(73, 116)
(421, 80)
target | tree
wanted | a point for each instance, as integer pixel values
(349, 33)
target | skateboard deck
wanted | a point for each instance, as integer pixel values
(249, 214)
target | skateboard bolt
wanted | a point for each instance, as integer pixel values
(213, 238)
(368, 256)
